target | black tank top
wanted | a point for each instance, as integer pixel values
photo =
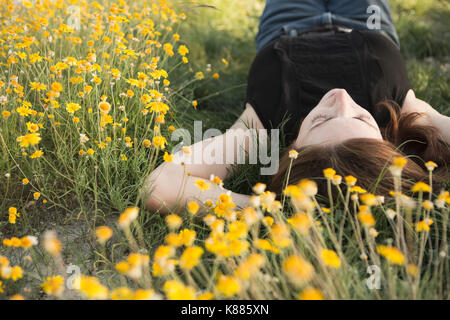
(289, 76)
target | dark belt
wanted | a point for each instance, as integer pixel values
(324, 30)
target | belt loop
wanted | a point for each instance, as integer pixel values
(326, 18)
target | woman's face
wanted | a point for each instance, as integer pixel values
(336, 118)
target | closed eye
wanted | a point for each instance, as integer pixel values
(362, 117)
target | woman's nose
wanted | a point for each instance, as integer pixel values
(344, 103)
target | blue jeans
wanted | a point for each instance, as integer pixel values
(283, 16)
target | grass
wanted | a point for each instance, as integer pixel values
(84, 192)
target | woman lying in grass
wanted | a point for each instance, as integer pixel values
(341, 95)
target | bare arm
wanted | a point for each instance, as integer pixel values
(432, 117)
(169, 186)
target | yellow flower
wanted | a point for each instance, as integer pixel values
(421, 186)
(194, 104)
(298, 269)
(366, 218)
(16, 273)
(32, 127)
(400, 162)
(29, 139)
(28, 241)
(187, 237)
(53, 286)
(310, 294)
(159, 142)
(168, 48)
(300, 222)
(330, 258)
(280, 235)
(228, 286)
(250, 267)
(6, 113)
(103, 234)
(37, 86)
(183, 50)
(337, 179)
(51, 244)
(250, 216)
(392, 254)
(397, 166)
(216, 76)
(202, 184)
(146, 143)
(122, 293)
(428, 205)
(373, 232)
(176, 290)
(430, 165)
(199, 76)
(25, 181)
(357, 189)
(37, 154)
(122, 267)
(24, 111)
(259, 188)
(91, 288)
(267, 199)
(162, 253)
(129, 215)
(268, 221)
(205, 296)
(293, 191)
(424, 225)
(142, 294)
(350, 181)
(104, 107)
(168, 157)
(72, 107)
(36, 195)
(412, 270)
(12, 218)
(173, 221)
(190, 257)
(308, 187)
(329, 173)
(56, 86)
(193, 207)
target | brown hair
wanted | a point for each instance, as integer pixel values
(368, 159)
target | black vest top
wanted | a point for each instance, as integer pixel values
(289, 76)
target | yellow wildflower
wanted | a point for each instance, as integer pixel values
(330, 258)
(53, 286)
(392, 254)
(193, 207)
(202, 184)
(190, 257)
(129, 215)
(228, 286)
(311, 294)
(329, 173)
(298, 269)
(103, 234)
